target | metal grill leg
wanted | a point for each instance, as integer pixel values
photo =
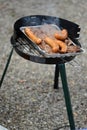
(56, 78)
(6, 67)
(67, 96)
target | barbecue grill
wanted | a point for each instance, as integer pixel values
(27, 49)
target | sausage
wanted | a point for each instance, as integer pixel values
(52, 44)
(62, 45)
(61, 35)
(32, 36)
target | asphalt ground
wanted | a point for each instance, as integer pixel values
(27, 98)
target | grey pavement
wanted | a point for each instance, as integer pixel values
(27, 98)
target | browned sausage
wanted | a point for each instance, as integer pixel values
(62, 45)
(32, 36)
(61, 35)
(52, 44)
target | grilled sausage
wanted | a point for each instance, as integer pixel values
(61, 35)
(52, 44)
(62, 45)
(31, 35)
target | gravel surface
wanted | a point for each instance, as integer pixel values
(27, 98)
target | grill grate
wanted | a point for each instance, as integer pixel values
(25, 47)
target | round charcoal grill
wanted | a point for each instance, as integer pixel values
(27, 49)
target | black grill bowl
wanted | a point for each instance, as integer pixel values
(35, 20)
